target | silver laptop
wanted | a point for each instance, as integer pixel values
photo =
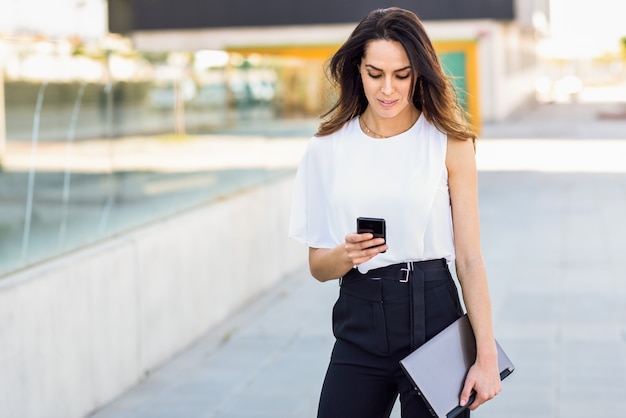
(438, 368)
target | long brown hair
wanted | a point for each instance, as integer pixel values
(433, 93)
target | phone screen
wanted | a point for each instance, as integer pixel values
(375, 226)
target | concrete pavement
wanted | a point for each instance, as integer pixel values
(553, 241)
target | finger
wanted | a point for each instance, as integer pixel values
(356, 238)
(473, 402)
(464, 398)
(369, 251)
(368, 247)
(485, 396)
(373, 242)
(361, 256)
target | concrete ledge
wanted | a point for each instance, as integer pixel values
(77, 331)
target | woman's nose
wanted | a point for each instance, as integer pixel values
(387, 87)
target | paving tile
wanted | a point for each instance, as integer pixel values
(554, 247)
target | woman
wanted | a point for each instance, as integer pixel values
(394, 146)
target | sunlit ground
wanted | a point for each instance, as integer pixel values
(156, 154)
(218, 153)
(552, 155)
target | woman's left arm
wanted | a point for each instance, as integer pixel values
(483, 377)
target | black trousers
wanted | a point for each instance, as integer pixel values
(379, 318)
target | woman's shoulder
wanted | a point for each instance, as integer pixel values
(457, 142)
(431, 127)
(346, 129)
(460, 153)
(318, 144)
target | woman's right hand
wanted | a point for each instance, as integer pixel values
(332, 263)
(360, 248)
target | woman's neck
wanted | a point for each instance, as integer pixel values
(377, 127)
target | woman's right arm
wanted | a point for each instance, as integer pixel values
(332, 263)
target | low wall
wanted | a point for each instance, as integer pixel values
(79, 330)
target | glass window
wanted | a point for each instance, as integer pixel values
(99, 141)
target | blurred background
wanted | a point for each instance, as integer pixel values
(122, 120)
(96, 94)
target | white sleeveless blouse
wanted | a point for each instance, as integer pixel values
(402, 179)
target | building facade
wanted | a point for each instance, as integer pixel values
(488, 45)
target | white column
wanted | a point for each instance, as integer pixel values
(3, 131)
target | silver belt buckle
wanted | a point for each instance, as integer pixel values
(407, 270)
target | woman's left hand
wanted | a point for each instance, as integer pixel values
(484, 379)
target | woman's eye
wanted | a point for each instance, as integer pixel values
(399, 77)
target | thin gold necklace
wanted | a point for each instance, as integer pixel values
(376, 134)
(370, 132)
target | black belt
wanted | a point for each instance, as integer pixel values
(412, 273)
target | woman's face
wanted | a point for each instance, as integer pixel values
(386, 75)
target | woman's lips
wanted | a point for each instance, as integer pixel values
(387, 103)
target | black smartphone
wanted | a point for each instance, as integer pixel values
(375, 226)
